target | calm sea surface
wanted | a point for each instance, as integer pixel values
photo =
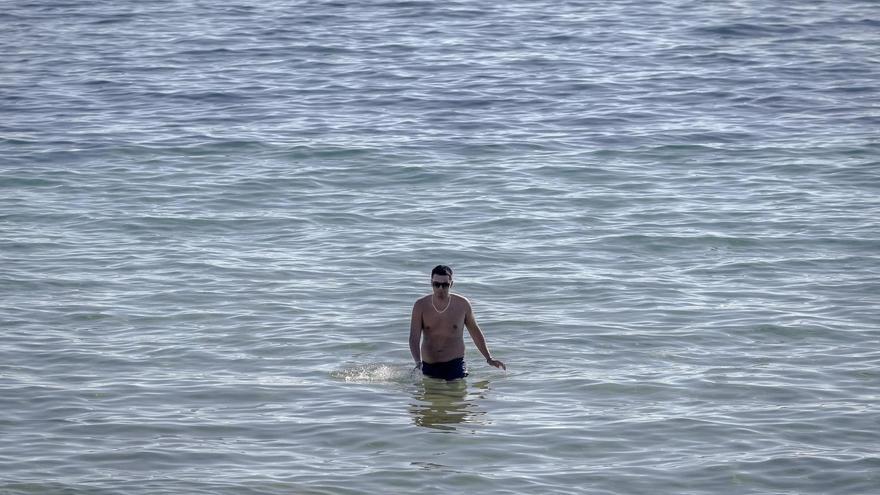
(215, 217)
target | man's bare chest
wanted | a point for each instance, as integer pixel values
(446, 322)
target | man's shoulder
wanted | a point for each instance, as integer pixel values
(422, 300)
(462, 299)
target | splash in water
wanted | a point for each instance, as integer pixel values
(376, 373)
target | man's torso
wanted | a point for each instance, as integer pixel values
(442, 328)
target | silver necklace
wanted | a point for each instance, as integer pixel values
(444, 309)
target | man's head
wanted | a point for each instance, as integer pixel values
(441, 279)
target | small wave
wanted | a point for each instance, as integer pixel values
(741, 29)
(374, 373)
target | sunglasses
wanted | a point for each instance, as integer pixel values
(438, 285)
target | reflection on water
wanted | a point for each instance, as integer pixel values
(441, 404)
(437, 404)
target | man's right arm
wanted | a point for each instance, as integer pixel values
(415, 335)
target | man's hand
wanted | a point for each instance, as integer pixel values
(496, 363)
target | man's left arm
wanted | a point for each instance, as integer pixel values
(415, 335)
(477, 335)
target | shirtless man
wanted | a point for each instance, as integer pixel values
(438, 321)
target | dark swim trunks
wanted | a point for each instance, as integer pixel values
(449, 370)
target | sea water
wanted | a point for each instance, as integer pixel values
(215, 218)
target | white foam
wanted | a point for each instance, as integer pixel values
(374, 373)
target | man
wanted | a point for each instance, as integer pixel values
(438, 321)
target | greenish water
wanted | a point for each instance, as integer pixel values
(215, 218)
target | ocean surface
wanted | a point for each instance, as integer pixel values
(215, 218)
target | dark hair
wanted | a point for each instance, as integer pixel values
(441, 270)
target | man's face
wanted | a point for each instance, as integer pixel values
(441, 284)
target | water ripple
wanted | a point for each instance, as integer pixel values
(216, 217)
